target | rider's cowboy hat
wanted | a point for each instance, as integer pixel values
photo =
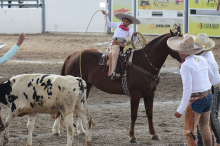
(2, 45)
(185, 45)
(203, 39)
(127, 15)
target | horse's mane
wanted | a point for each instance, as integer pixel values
(156, 39)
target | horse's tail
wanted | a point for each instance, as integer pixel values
(63, 67)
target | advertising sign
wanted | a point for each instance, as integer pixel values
(121, 6)
(203, 4)
(161, 4)
(205, 24)
(158, 25)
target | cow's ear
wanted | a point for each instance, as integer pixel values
(172, 34)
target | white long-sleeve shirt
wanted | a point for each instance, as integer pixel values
(120, 33)
(213, 65)
(9, 54)
(196, 77)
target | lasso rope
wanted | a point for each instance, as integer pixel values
(84, 39)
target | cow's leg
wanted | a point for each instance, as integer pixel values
(70, 129)
(7, 123)
(86, 120)
(30, 126)
(56, 126)
(79, 126)
(148, 102)
(134, 102)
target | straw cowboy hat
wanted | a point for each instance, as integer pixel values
(185, 45)
(203, 39)
(127, 15)
(2, 45)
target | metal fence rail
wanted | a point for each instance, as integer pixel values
(20, 4)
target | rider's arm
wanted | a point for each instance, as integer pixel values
(110, 24)
(9, 54)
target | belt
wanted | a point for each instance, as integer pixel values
(120, 40)
(199, 95)
(121, 44)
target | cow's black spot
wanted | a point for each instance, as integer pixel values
(30, 84)
(14, 80)
(40, 104)
(59, 87)
(74, 89)
(35, 96)
(48, 85)
(32, 105)
(32, 80)
(48, 97)
(81, 87)
(5, 89)
(37, 80)
(13, 107)
(25, 95)
(74, 125)
(42, 78)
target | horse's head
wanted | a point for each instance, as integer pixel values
(171, 52)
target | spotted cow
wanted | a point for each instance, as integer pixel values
(29, 94)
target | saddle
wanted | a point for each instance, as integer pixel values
(124, 56)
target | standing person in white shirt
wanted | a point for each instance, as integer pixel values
(119, 38)
(204, 39)
(4, 59)
(197, 98)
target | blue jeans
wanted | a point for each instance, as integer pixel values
(215, 125)
(203, 105)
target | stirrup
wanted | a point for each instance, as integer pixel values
(113, 76)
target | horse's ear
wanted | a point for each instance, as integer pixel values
(178, 29)
(172, 34)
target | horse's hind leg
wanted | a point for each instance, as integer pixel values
(7, 123)
(134, 101)
(148, 102)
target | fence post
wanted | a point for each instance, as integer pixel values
(135, 15)
(43, 16)
(109, 13)
(1, 3)
(185, 19)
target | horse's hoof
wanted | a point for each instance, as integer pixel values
(155, 138)
(134, 141)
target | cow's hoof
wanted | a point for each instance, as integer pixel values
(56, 134)
(155, 138)
(133, 141)
(88, 143)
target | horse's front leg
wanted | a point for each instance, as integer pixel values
(148, 102)
(134, 102)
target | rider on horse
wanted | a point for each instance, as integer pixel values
(119, 38)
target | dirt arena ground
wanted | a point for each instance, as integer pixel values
(45, 53)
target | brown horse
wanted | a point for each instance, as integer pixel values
(151, 58)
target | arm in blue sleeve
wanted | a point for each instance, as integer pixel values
(9, 54)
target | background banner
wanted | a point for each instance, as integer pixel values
(203, 4)
(204, 24)
(161, 4)
(158, 25)
(121, 6)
